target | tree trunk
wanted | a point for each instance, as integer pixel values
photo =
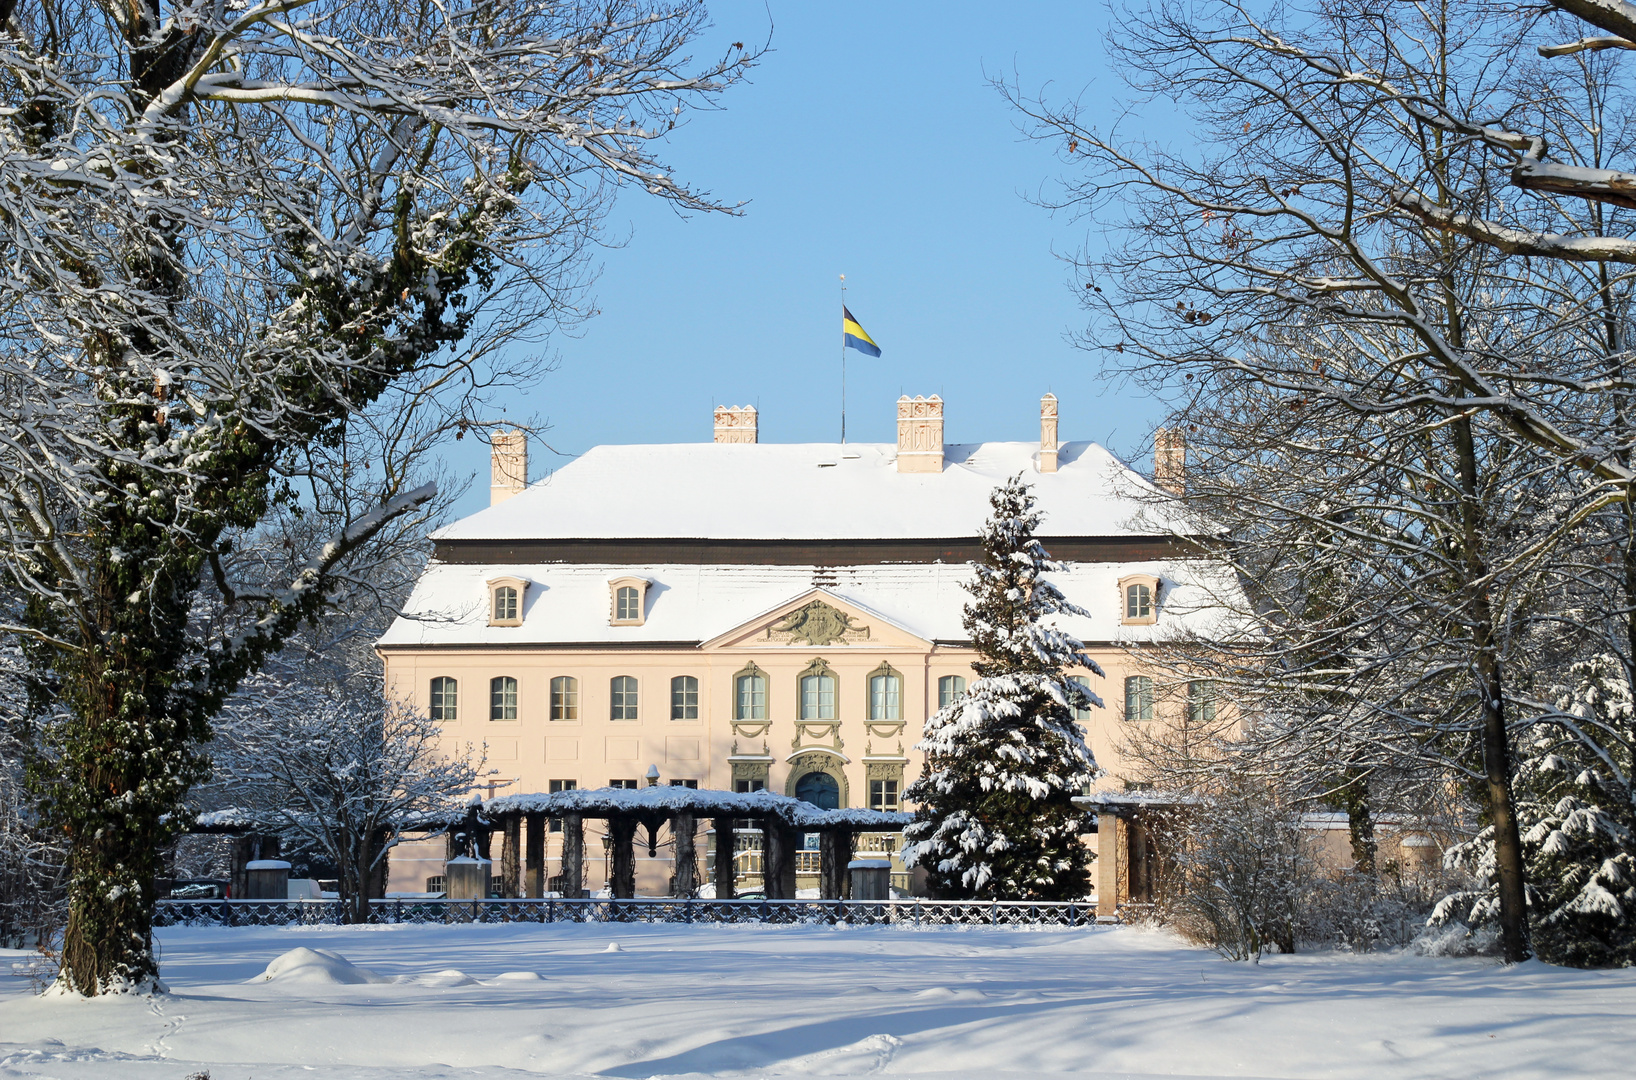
(1360, 824)
(1509, 869)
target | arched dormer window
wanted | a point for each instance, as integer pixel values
(885, 694)
(816, 689)
(1139, 600)
(506, 597)
(627, 601)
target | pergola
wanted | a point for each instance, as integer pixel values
(780, 818)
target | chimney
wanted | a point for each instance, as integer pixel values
(1170, 460)
(1048, 433)
(735, 425)
(920, 434)
(509, 462)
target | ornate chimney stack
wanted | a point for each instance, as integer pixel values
(509, 461)
(735, 424)
(920, 434)
(1048, 433)
(1170, 460)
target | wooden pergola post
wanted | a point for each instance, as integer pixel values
(725, 866)
(778, 859)
(573, 855)
(534, 858)
(622, 831)
(834, 852)
(511, 856)
(682, 829)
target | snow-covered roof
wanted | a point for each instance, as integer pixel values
(814, 491)
(568, 603)
(704, 802)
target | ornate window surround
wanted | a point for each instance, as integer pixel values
(1152, 583)
(818, 667)
(494, 586)
(751, 669)
(889, 671)
(640, 584)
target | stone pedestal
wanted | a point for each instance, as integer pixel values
(466, 878)
(266, 879)
(871, 879)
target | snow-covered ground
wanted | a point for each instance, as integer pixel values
(636, 1001)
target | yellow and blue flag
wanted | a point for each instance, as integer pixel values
(855, 337)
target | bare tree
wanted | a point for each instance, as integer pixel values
(318, 753)
(1279, 252)
(231, 230)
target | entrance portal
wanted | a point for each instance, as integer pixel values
(819, 789)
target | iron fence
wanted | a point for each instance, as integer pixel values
(911, 914)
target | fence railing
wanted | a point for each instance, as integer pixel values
(910, 914)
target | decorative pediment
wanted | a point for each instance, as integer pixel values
(817, 623)
(820, 620)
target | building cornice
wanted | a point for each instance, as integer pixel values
(537, 646)
(706, 552)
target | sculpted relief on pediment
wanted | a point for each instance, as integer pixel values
(817, 623)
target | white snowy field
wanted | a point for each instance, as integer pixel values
(748, 1001)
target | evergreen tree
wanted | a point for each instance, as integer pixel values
(1003, 763)
(1578, 830)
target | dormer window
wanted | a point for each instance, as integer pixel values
(628, 601)
(1139, 600)
(506, 601)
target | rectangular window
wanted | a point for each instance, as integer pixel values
(503, 698)
(623, 689)
(1138, 602)
(817, 697)
(751, 699)
(693, 784)
(1081, 712)
(628, 604)
(1138, 698)
(684, 698)
(749, 785)
(505, 604)
(950, 689)
(626, 785)
(883, 794)
(445, 699)
(1201, 702)
(885, 697)
(564, 698)
(555, 786)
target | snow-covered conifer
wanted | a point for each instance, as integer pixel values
(1578, 830)
(1003, 763)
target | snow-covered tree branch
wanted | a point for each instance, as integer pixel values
(233, 233)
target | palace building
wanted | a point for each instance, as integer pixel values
(742, 615)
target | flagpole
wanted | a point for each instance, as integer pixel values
(843, 360)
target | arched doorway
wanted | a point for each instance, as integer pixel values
(819, 789)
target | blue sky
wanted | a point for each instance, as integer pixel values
(868, 142)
